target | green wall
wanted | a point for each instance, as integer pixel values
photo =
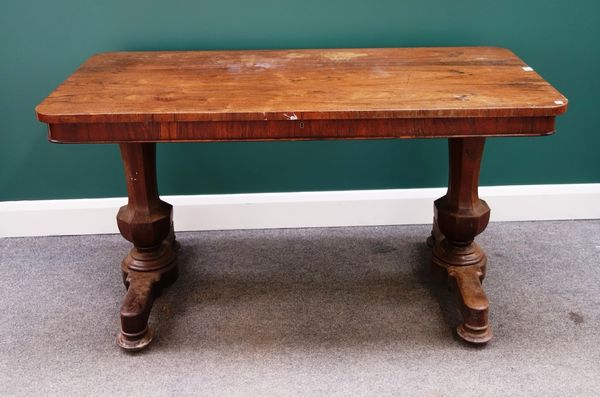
(42, 42)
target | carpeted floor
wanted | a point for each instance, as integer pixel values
(341, 311)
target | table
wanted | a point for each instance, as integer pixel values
(138, 99)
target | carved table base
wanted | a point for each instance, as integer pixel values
(463, 269)
(143, 286)
(461, 215)
(147, 222)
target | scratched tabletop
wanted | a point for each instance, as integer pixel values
(301, 84)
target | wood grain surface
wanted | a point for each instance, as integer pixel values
(292, 85)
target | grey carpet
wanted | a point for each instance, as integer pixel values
(340, 311)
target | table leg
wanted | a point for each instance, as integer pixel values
(461, 215)
(146, 221)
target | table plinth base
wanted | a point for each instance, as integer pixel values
(463, 269)
(142, 288)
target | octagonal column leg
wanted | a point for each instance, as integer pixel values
(461, 215)
(146, 221)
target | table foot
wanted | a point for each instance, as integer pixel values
(464, 269)
(143, 286)
(134, 343)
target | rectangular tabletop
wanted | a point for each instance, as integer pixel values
(301, 94)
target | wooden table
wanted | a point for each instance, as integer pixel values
(136, 99)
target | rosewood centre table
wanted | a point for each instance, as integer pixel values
(138, 99)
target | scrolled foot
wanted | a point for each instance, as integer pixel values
(135, 310)
(464, 267)
(473, 303)
(142, 288)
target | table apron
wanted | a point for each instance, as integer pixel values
(265, 130)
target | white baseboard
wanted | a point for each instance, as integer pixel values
(301, 209)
